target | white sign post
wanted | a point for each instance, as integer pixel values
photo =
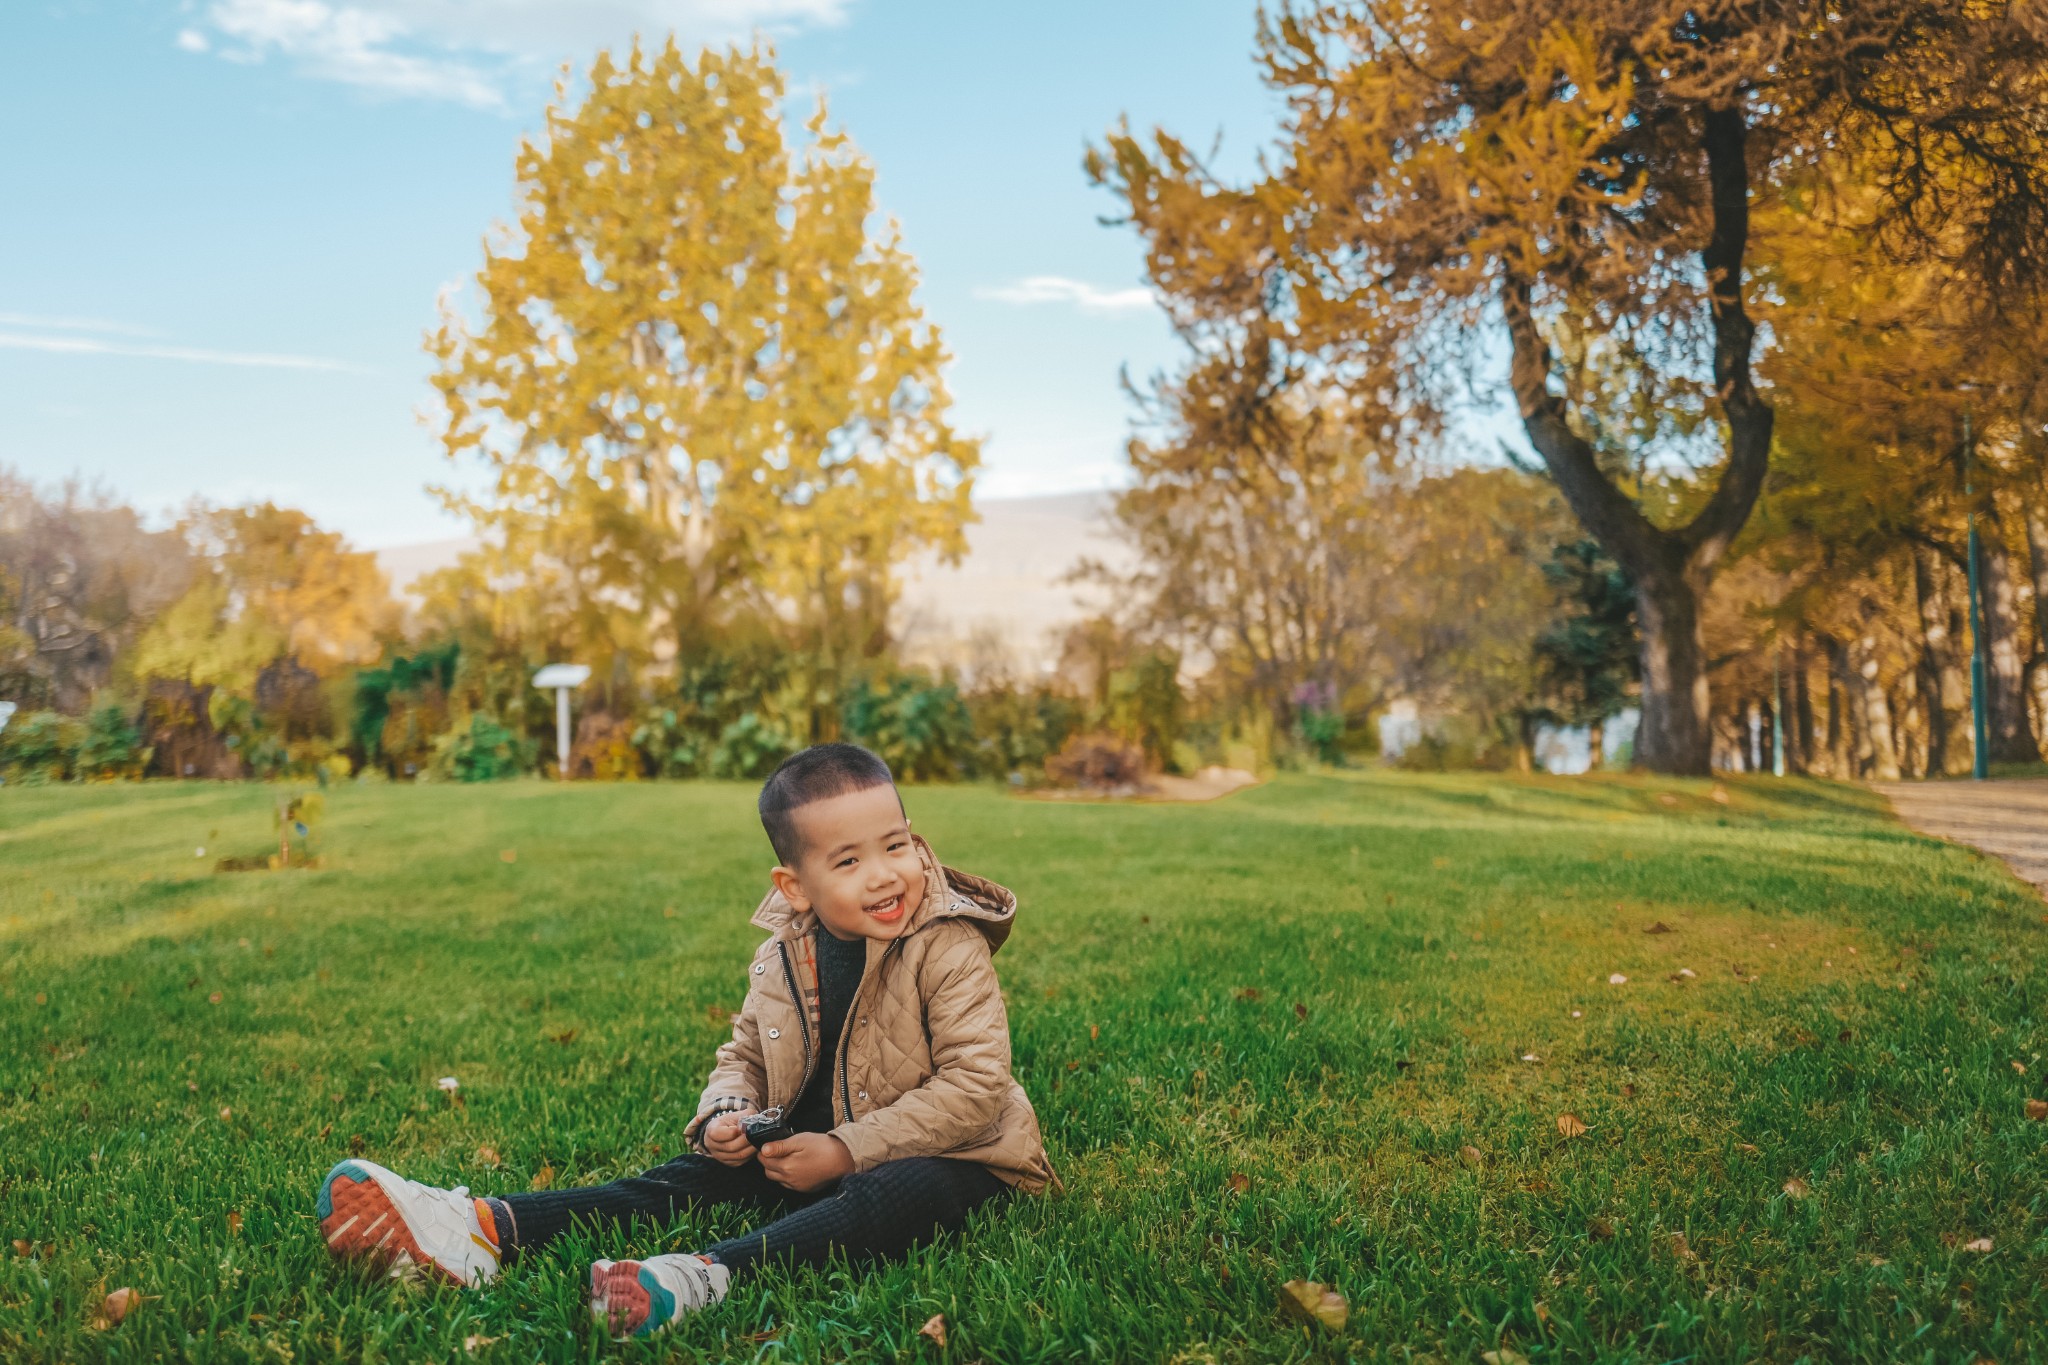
(563, 678)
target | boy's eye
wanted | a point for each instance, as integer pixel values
(844, 862)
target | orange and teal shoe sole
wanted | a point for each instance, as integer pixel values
(635, 1303)
(361, 1223)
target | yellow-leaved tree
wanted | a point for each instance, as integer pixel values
(698, 382)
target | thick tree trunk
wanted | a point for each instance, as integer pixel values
(1848, 721)
(1675, 735)
(1801, 756)
(2037, 562)
(1944, 693)
(2012, 734)
(1874, 708)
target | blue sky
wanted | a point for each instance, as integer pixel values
(228, 220)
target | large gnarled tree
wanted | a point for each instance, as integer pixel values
(1456, 173)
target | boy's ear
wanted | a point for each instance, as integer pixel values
(792, 889)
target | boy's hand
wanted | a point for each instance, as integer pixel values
(806, 1161)
(726, 1141)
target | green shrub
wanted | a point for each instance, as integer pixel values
(671, 746)
(1017, 728)
(920, 727)
(482, 751)
(39, 747)
(112, 746)
(750, 747)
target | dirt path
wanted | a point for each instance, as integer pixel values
(2007, 819)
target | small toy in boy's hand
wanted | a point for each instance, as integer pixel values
(765, 1127)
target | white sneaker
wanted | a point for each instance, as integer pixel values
(639, 1298)
(370, 1213)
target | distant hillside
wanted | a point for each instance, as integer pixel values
(1006, 591)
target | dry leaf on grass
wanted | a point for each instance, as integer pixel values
(1504, 1356)
(542, 1178)
(1300, 1010)
(24, 1247)
(226, 1113)
(2020, 1067)
(488, 1156)
(1599, 1229)
(508, 855)
(234, 1221)
(1570, 1125)
(1471, 1156)
(1238, 1183)
(1617, 979)
(1093, 1033)
(1797, 1188)
(2037, 1109)
(473, 1344)
(566, 1037)
(935, 1328)
(1249, 993)
(1978, 1244)
(1681, 1248)
(1316, 1302)
(1660, 927)
(120, 1304)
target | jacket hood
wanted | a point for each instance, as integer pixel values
(948, 894)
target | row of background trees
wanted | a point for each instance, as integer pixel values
(1759, 284)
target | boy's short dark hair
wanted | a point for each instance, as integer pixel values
(818, 773)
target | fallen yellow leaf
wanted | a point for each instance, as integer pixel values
(542, 1178)
(120, 1304)
(1797, 1188)
(1504, 1356)
(1570, 1125)
(2037, 1109)
(935, 1328)
(1239, 1182)
(1316, 1302)
(1471, 1156)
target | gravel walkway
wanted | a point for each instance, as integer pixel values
(2008, 819)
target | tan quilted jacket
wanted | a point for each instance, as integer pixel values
(923, 1066)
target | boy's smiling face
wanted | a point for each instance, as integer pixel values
(859, 869)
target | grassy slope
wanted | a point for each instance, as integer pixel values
(1860, 997)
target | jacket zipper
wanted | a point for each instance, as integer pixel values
(846, 1035)
(803, 1021)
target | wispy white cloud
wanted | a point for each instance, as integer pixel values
(73, 345)
(1034, 289)
(74, 324)
(465, 50)
(348, 44)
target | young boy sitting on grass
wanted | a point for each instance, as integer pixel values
(872, 1021)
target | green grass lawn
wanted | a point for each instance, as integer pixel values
(1260, 1034)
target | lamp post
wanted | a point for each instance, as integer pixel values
(1980, 728)
(564, 678)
